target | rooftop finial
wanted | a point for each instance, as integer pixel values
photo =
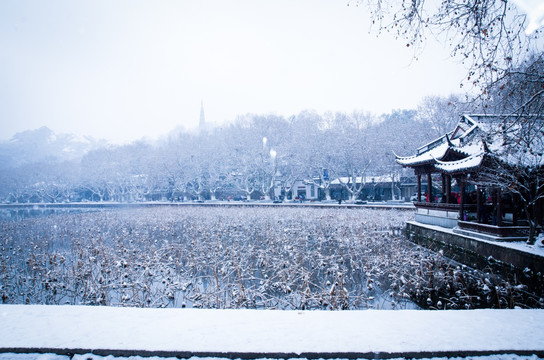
(202, 123)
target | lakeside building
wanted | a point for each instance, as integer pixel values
(366, 188)
(392, 187)
(483, 179)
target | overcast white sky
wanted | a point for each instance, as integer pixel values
(126, 69)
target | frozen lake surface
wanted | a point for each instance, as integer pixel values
(243, 257)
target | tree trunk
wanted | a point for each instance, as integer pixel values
(532, 225)
(327, 193)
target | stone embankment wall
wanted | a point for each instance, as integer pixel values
(480, 254)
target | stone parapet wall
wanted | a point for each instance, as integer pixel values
(478, 253)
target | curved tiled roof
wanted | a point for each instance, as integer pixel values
(476, 136)
(461, 143)
(426, 157)
(468, 163)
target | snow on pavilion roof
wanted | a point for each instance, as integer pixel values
(463, 165)
(461, 141)
(465, 127)
(428, 156)
(467, 141)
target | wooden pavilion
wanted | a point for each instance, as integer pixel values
(450, 196)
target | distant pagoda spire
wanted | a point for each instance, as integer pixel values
(202, 122)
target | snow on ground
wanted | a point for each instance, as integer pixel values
(199, 331)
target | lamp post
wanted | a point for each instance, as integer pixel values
(273, 155)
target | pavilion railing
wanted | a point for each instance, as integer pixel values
(444, 206)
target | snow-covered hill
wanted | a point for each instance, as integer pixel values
(43, 144)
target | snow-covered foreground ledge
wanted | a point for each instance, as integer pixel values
(264, 333)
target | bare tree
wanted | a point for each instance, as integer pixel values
(441, 113)
(488, 35)
(173, 168)
(352, 154)
(514, 163)
(521, 91)
(515, 150)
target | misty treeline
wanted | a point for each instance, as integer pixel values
(245, 158)
(256, 153)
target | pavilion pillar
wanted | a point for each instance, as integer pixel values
(462, 201)
(479, 204)
(514, 210)
(429, 187)
(418, 187)
(448, 188)
(499, 208)
(443, 187)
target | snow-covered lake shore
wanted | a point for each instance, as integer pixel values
(269, 334)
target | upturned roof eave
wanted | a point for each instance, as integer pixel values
(461, 166)
(426, 158)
